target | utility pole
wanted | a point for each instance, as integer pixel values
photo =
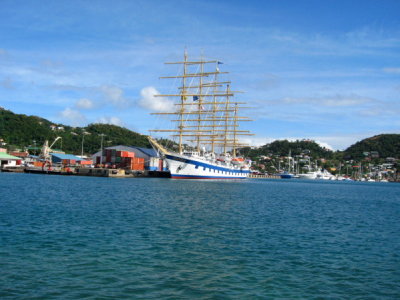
(101, 148)
(83, 138)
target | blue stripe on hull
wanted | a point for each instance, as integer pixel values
(209, 166)
(176, 176)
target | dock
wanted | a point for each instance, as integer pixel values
(106, 172)
(96, 172)
(264, 176)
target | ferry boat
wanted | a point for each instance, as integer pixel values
(207, 122)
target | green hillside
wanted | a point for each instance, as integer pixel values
(22, 130)
(386, 145)
(282, 148)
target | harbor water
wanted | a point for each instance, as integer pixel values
(151, 238)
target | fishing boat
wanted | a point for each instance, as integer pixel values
(207, 125)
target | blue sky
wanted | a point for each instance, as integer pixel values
(324, 70)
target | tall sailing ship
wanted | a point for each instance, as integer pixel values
(207, 125)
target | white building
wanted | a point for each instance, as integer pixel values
(7, 160)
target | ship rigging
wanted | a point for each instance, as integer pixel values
(207, 119)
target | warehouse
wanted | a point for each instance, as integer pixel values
(152, 161)
(69, 159)
(59, 158)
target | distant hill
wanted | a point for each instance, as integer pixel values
(22, 130)
(282, 148)
(386, 145)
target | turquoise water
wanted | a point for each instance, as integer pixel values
(101, 238)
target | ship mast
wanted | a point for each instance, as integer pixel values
(235, 131)
(182, 108)
(200, 100)
(214, 106)
(227, 117)
(216, 119)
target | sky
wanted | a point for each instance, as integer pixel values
(322, 70)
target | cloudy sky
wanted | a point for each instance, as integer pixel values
(325, 70)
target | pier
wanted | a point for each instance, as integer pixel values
(264, 176)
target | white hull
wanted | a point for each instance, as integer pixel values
(181, 167)
(310, 175)
(325, 175)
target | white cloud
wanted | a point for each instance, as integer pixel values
(325, 145)
(110, 120)
(84, 103)
(150, 101)
(338, 100)
(50, 64)
(382, 111)
(343, 141)
(373, 38)
(115, 95)
(73, 117)
(391, 70)
(256, 141)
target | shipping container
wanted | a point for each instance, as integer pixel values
(68, 161)
(138, 160)
(129, 154)
(137, 166)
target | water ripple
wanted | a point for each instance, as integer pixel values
(99, 238)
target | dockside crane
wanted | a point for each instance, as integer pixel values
(45, 152)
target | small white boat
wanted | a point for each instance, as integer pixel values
(308, 175)
(320, 174)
